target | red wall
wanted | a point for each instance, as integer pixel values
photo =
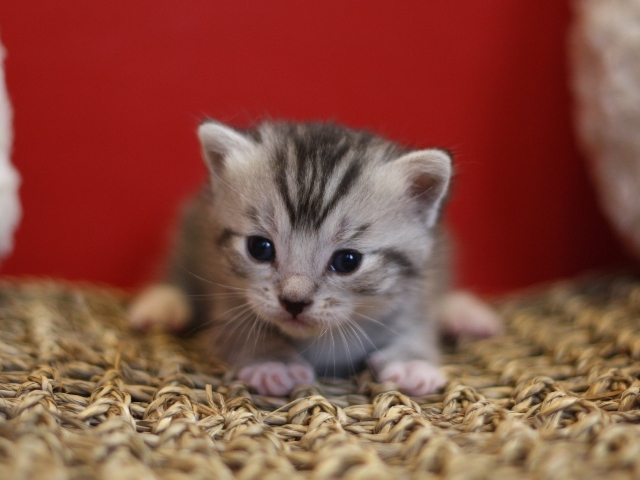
(107, 97)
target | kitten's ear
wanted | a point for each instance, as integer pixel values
(219, 142)
(429, 173)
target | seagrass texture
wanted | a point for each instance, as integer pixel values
(84, 397)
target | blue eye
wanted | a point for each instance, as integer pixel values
(261, 248)
(345, 261)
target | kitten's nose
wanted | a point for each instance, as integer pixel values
(296, 293)
(294, 308)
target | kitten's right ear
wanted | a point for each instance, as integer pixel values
(219, 142)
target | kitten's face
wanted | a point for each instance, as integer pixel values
(319, 224)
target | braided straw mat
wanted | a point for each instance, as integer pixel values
(81, 396)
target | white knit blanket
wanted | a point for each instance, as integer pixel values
(605, 57)
(10, 211)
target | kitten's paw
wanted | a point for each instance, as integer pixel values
(161, 307)
(461, 313)
(275, 378)
(414, 378)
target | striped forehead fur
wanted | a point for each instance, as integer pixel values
(315, 166)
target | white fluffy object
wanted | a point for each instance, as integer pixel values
(605, 60)
(10, 211)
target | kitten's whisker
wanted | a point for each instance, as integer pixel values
(205, 325)
(321, 336)
(346, 344)
(266, 331)
(257, 336)
(364, 350)
(243, 313)
(245, 323)
(378, 322)
(243, 308)
(251, 330)
(314, 340)
(237, 321)
(245, 304)
(411, 340)
(222, 328)
(327, 340)
(351, 324)
(231, 287)
(355, 333)
(207, 295)
(333, 350)
(214, 283)
(364, 334)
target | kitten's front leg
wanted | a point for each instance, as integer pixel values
(462, 314)
(265, 360)
(161, 306)
(413, 377)
(276, 378)
(410, 363)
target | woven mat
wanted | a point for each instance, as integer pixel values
(81, 396)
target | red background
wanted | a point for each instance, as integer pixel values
(107, 96)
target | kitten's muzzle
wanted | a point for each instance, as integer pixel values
(296, 293)
(293, 307)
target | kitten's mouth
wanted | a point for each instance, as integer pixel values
(298, 326)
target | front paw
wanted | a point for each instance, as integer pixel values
(463, 314)
(275, 378)
(414, 378)
(160, 307)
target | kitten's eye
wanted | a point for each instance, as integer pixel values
(345, 261)
(261, 248)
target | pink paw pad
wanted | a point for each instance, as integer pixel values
(415, 377)
(275, 378)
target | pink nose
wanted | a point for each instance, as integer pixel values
(294, 308)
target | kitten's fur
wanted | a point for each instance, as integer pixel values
(313, 190)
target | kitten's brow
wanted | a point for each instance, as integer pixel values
(342, 236)
(392, 255)
(226, 235)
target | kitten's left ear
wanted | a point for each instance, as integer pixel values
(429, 174)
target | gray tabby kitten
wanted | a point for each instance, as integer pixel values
(316, 249)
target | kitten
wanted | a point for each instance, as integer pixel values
(316, 249)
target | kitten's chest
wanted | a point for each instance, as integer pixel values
(343, 350)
